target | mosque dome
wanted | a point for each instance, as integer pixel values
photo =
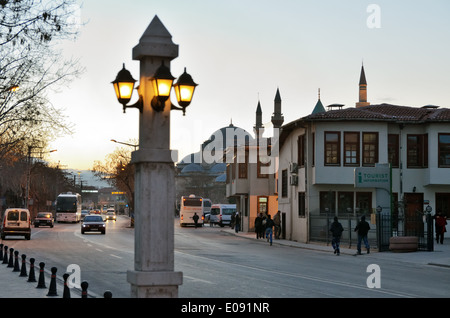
(192, 167)
(191, 158)
(218, 168)
(229, 136)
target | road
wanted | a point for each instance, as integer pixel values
(216, 264)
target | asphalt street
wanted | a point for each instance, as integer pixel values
(13, 285)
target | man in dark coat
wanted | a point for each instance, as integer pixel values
(362, 228)
(336, 230)
(258, 226)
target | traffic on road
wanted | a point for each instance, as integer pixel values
(218, 263)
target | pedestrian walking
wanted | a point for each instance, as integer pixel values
(277, 224)
(258, 225)
(233, 219)
(237, 222)
(440, 222)
(269, 230)
(336, 230)
(262, 232)
(195, 218)
(362, 228)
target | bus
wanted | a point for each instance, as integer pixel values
(190, 205)
(68, 207)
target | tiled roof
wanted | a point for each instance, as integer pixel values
(384, 112)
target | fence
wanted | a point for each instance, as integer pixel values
(382, 228)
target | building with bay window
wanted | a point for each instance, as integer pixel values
(319, 153)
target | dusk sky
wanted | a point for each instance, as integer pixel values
(240, 52)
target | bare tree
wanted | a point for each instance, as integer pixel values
(118, 170)
(30, 31)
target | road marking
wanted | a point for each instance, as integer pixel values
(312, 278)
(199, 280)
(115, 256)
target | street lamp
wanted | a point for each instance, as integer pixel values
(162, 83)
(126, 144)
(124, 86)
(154, 196)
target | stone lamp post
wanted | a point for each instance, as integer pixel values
(153, 274)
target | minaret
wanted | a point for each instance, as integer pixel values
(319, 106)
(259, 127)
(362, 89)
(277, 118)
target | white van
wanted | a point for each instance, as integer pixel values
(16, 222)
(221, 214)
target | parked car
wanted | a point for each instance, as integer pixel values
(16, 221)
(93, 223)
(110, 215)
(44, 219)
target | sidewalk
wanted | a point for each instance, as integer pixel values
(12, 285)
(439, 257)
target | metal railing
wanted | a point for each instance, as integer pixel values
(382, 228)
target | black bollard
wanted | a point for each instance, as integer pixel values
(66, 292)
(23, 270)
(1, 252)
(52, 289)
(107, 294)
(5, 256)
(84, 287)
(41, 281)
(31, 276)
(16, 262)
(11, 258)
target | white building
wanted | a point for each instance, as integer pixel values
(319, 154)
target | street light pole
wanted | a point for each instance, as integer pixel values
(153, 274)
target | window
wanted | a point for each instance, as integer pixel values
(345, 203)
(364, 202)
(370, 148)
(242, 170)
(301, 204)
(262, 164)
(301, 150)
(263, 204)
(393, 150)
(444, 151)
(332, 147)
(351, 148)
(417, 151)
(327, 202)
(284, 183)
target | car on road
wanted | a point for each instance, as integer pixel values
(110, 215)
(221, 214)
(84, 213)
(44, 219)
(16, 221)
(93, 223)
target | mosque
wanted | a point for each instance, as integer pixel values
(195, 174)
